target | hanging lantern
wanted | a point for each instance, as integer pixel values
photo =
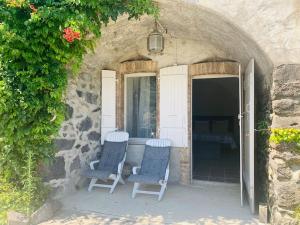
(155, 42)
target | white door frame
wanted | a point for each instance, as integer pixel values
(214, 76)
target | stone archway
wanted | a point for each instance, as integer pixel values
(195, 34)
(198, 31)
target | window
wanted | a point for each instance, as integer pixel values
(140, 103)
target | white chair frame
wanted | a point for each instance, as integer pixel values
(115, 177)
(162, 183)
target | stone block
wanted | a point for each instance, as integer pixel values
(69, 112)
(75, 164)
(79, 93)
(15, 218)
(127, 170)
(91, 98)
(85, 148)
(81, 182)
(286, 107)
(97, 109)
(64, 144)
(286, 90)
(85, 124)
(45, 212)
(286, 122)
(185, 172)
(94, 136)
(286, 73)
(279, 169)
(288, 194)
(286, 152)
(286, 84)
(263, 213)
(55, 170)
(283, 217)
(284, 173)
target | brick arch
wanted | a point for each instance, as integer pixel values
(220, 68)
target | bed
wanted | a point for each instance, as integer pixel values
(216, 129)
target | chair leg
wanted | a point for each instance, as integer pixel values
(92, 183)
(162, 191)
(122, 181)
(135, 188)
(114, 185)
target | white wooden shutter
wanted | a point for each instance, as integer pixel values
(248, 154)
(108, 106)
(173, 104)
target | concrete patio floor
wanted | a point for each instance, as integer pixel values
(205, 204)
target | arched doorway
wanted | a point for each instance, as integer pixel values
(197, 35)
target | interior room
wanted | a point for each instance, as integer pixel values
(215, 129)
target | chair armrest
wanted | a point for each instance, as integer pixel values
(92, 164)
(121, 164)
(135, 169)
(161, 182)
(167, 173)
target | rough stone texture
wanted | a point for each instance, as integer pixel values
(185, 166)
(284, 162)
(286, 121)
(69, 112)
(56, 170)
(15, 218)
(198, 30)
(75, 164)
(64, 144)
(45, 212)
(91, 98)
(85, 148)
(78, 140)
(85, 124)
(279, 37)
(263, 214)
(127, 170)
(286, 107)
(94, 136)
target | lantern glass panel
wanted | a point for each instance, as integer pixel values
(155, 42)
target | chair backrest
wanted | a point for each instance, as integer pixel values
(159, 143)
(156, 158)
(114, 148)
(117, 136)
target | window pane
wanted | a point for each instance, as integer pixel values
(141, 106)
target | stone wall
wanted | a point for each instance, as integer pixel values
(284, 163)
(78, 140)
(185, 166)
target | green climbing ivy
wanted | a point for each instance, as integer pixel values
(287, 136)
(41, 42)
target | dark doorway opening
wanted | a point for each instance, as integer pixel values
(215, 130)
